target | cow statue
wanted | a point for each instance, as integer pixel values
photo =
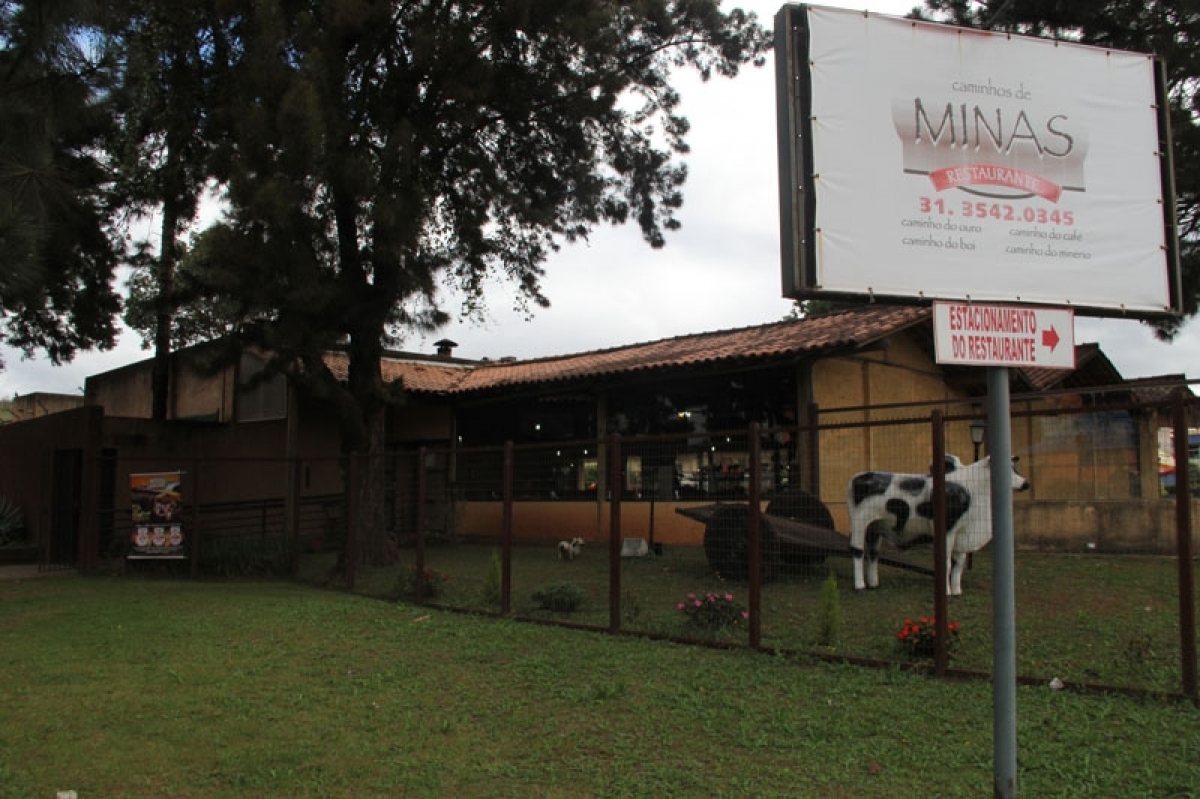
(900, 506)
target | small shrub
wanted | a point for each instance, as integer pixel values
(492, 581)
(631, 608)
(560, 597)
(1139, 650)
(421, 583)
(919, 638)
(245, 556)
(830, 630)
(713, 612)
(12, 523)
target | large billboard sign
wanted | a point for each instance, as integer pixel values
(921, 162)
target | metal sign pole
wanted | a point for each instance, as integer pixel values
(1004, 627)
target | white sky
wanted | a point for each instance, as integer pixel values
(720, 271)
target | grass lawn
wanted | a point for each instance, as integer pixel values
(1093, 619)
(121, 687)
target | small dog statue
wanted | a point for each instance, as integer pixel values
(568, 550)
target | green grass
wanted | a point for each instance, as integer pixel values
(152, 687)
(1086, 619)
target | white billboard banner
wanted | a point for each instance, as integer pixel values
(946, 163)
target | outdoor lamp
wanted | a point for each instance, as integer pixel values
(978, 428)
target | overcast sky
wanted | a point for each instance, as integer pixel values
(720, 271)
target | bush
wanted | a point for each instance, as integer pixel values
(919, 638)
(712, 611)
(245, 556)
(560, 597)
(831, 613)
(421, 584)
(12, 523)
(492, 582)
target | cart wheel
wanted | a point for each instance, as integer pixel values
(800, 506)
(727, 543)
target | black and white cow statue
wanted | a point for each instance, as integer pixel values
(900, 506)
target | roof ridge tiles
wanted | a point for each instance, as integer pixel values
(781, 338)
(708, 334)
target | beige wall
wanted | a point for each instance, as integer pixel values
(194, 392)
(31, 406)
(1068, 526)
(555, 521)
(121, 392)
(898, 373)
(1109, 526)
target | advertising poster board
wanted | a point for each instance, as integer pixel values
(921, 161)
(157, 512)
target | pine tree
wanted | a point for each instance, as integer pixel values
(382, 149)
(57, 251)
(174, 61)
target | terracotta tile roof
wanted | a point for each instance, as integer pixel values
(1159, 388)
(1092, 368)
(426, 377)
(779, 340)
(423, 375)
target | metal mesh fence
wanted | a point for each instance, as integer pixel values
(225, 516)
(741, 536)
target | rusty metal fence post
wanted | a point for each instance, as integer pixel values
(754, 534)
(812, 457)
(294, 467)
(419, 582)
(615, 486)
(194, 543)
(351, 564)
(941, 557)
(506, 532)
(1183, 536)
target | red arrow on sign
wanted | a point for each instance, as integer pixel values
(1050, 338)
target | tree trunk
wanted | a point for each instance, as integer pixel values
(377, 545)
(160, 376)
(367, 440)
(365, 436)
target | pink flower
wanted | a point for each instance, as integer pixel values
(729, 597)
(745, 614)
(698, 603)
(680, 606)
